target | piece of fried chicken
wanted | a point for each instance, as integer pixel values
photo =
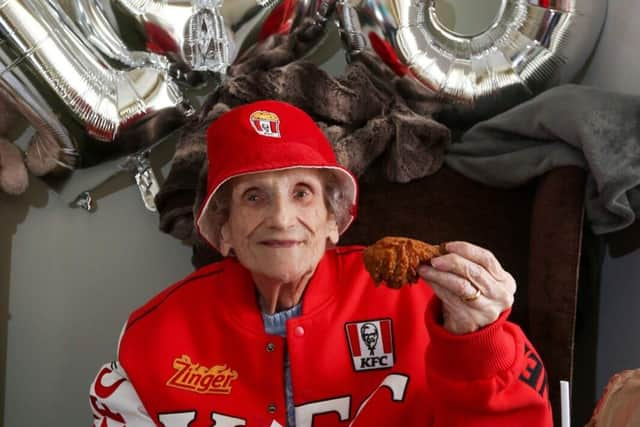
(395, 260)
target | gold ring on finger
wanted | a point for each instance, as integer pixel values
(472, 297)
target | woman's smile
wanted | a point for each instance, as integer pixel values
(281, 243)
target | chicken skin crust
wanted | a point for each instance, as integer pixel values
(395, 260)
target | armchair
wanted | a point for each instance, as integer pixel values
(534, 230)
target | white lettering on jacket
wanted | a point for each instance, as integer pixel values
(304, 413)
(177, 419)
(396, 383)
(227, 421)
(182, 419)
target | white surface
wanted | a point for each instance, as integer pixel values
(565, 404)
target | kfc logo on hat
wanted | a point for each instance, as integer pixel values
(370, 344)
(266, 123)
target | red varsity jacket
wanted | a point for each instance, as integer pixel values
(197, 355)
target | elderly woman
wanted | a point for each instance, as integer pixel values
(290, 330)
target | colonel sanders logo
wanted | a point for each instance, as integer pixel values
(371, 344)
(369, 334)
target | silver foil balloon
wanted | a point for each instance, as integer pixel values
(198, 35)
(179, 36)
(318, 10)
(309, 16)
(531, 46)
(91, 19)
(193, 35)
(71, 95)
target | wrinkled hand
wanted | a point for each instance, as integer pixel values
(457, 275)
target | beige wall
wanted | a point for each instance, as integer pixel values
(72, 278)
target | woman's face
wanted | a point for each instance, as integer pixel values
(278, 223)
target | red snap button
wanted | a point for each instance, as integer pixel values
(298, 331)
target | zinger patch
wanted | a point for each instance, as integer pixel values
(371, 344)
(266, 123)
(200, 379)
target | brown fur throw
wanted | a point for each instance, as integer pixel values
(378, 123)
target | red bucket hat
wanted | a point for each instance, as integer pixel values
(268, 136)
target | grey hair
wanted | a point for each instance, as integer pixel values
(335, 200)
